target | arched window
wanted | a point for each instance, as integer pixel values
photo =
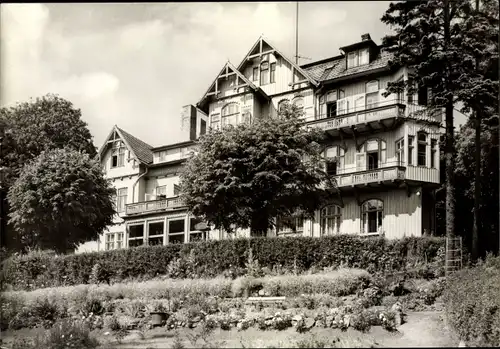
(282, 106)
(371, 155)
(334, 160)
(264, 73)
(298, 102)
(421, 148)
(331, 218)
(372, 215)
(230, 114)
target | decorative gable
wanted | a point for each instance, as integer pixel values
(264, 51)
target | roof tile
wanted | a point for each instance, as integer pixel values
(141, 149)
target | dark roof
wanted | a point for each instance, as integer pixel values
(141, 149)
(172, 146)
(335, 68)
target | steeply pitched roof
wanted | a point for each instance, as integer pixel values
(327, 70)
(142, 150)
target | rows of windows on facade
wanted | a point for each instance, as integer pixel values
(156, 234)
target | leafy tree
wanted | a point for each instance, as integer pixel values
(465, 175)
(60, 200)
(29, 128)
(439, 44)
(246, 176)
(48, 122)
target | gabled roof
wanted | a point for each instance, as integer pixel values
(335, 68)
(263, 46)
(228, 69)
(139, 149)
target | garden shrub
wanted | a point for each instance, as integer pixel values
(211, 258)
(472, 299)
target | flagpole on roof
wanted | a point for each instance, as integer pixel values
(297, 34)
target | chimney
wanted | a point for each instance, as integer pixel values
(188, 122)
(365, 37)
(193, 122)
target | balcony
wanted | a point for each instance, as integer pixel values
(379, 175)
(371, 118)
(154, 206)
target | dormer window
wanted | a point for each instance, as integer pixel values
(357, 58)
(255, 74)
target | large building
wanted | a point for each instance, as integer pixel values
(382, 151)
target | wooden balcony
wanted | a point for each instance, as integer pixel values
(371, 118)
(154, 206)
(379, 175)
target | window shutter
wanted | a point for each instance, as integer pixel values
(361, 162)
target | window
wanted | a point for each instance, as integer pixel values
(352, 59)
(118, 154)
(290, 225)
(371, 216)
(372, 86)
(364, 57)
(230, 114)
(273, 73)
(246, 117)
(264, 73)
(121, 196)
(334, 160)
(341, 94)
(255, 74)
(109, 241)
(215, 121)
(331, 104)
(372, 155)
(298, 102)
(177, 190)
(411, 141)
(433, 152)
(331, 218)
(400, 151)
(136, 235)
(161, 191)
(196, 235)
(421, 149)
(282, 105)
(119, 240)
(203, 127)
(176, 231)
(155, 233)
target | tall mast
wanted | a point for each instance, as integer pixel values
(297, 34)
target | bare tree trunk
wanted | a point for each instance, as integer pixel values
(477, 177)
(450, 141)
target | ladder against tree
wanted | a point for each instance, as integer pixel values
(453, 254)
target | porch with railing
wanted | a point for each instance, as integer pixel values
(154, 205)
(388, 173)
(387, 109)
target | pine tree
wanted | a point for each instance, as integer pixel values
(438, 41)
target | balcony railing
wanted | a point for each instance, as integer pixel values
(371, 112)
(371, 176)
(154, 205)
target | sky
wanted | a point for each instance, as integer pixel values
(136, 65)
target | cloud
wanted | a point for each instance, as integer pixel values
(88, 86)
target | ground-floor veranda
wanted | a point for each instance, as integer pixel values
(394, 213)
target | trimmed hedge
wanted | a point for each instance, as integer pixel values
(211, 258)
(472, 298)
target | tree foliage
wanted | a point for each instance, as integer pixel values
(48, 122)
(60, 199)
(440, 42)
(489, 186)
(246, 176)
